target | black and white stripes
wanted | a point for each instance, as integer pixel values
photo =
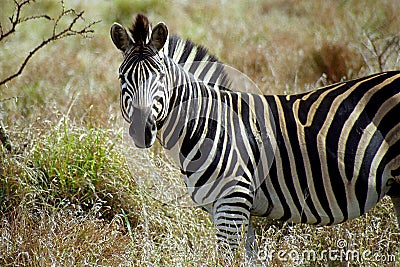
(338, 153)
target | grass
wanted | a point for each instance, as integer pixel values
(76, 192)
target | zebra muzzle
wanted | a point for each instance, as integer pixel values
(143, 127)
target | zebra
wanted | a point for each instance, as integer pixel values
(191, 57)
(321, 157)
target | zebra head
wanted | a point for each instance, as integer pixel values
(142, 76)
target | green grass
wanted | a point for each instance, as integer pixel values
(75, 191)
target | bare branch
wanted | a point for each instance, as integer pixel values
(65, 32)
(379, 50)
(15, 19)
(44, 16)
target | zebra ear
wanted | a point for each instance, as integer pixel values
(120, 37)
(159, 35)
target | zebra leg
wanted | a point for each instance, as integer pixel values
(251, 244)
(230, 226)
(231, 216)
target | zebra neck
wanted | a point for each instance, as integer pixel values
(186, 94)
(192, 115)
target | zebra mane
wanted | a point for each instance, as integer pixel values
(140, 30)
(181, 51)
(194, 58)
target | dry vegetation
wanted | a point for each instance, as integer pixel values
(75, 192)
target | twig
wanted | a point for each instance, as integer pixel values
(66, 32)
(14, 19)
(380, 49)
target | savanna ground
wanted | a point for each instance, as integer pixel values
(74, 191)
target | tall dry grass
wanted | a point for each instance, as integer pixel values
(75, 191)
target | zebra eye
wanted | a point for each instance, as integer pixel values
(121, 76)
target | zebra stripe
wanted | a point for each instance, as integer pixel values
(197, 60)
(321, 157)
